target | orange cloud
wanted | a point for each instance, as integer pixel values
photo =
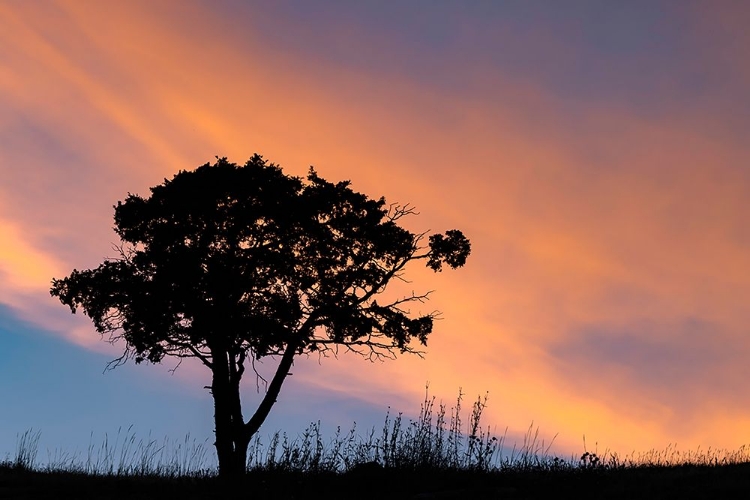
(585, 225)
(24, 268)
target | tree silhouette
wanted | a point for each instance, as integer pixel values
(228, 262)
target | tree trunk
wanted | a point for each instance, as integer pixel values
(232, 433)
(231, 443)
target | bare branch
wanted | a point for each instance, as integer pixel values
(258, 377)
(179, 362)
(111, 365)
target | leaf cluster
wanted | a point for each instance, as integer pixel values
(245, 259)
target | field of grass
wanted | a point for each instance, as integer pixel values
(434, 456)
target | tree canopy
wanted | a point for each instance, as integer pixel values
(229, 261)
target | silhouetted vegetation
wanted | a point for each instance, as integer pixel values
(231, 262)
(434, 456)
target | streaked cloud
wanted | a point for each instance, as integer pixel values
(601, 178)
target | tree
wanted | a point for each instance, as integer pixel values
(228, 262)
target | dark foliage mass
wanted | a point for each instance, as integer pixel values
(228, 262)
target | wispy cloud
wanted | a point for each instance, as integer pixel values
(601, 179)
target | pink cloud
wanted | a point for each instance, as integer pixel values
(604, 215)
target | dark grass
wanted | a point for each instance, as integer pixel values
(683, 481)
(431, 457)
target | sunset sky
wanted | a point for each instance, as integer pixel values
(596, 154)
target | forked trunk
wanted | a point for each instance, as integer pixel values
(232, 433)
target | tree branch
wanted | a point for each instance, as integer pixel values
(252, 425)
